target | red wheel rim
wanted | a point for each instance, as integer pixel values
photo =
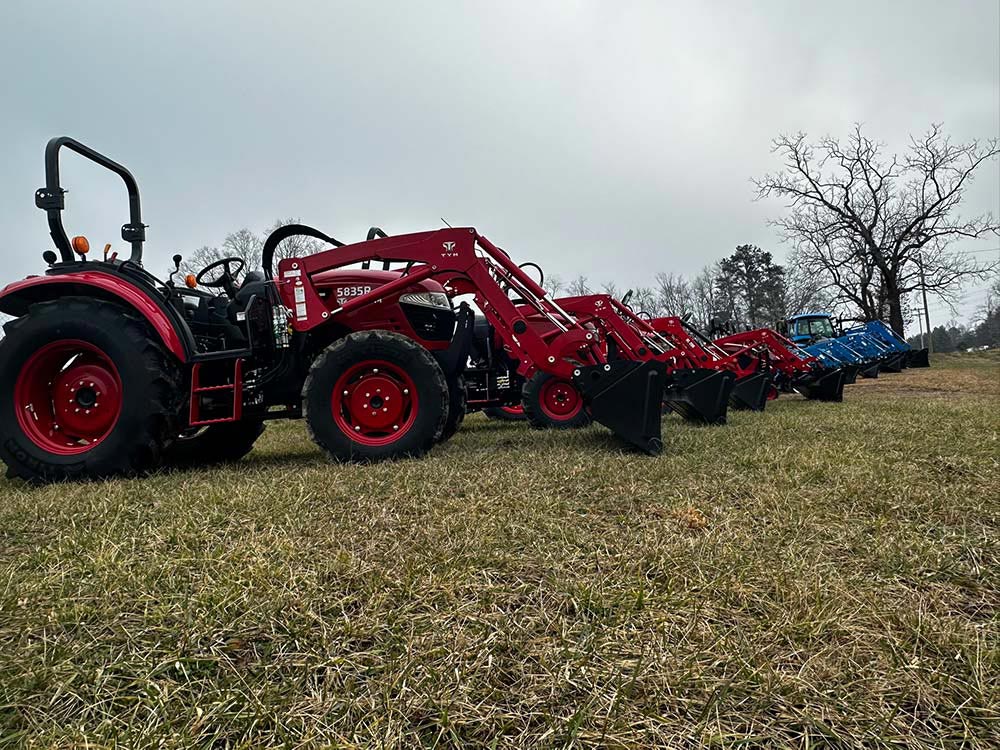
(514, 411)
(560, 400)
(68, 397)
(375, 402)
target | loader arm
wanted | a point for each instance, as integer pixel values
(622, 394)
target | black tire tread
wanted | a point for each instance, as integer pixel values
(375, 337)
(531, 402)
(145, 453)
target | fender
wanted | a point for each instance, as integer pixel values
(15, 299)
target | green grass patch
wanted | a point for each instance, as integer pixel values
(819, 574)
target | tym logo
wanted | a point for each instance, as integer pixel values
(449, 250)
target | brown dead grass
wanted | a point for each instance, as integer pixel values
(820, 575)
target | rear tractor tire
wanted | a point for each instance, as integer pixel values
(553, 403)
(375, 395)
(86, 392)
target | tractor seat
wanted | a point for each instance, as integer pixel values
(253, 283)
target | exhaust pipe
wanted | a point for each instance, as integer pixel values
(625, 397)
(750, 393)
(699, 395)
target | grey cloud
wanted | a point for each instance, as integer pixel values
(608, 139)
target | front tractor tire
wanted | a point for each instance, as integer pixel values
(86, 392)
(375, 395)
(553, 403)
(456, 408)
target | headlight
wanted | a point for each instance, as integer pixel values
(427, 299)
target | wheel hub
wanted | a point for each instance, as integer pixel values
(68, 397)
(374, 402)
(560, 398)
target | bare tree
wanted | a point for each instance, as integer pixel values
(610, 288)
(871, 223)
(554, 285)
(673, 294)
(644, 301)
(703, 298)
(248, 245)
(578, 287)
(806, 290)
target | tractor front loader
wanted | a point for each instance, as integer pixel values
(793, 368)
(108, 370)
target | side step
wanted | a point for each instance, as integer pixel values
(625, 397)
(203, 396)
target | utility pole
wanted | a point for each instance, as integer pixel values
(927, 313)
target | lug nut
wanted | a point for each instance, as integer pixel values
(357, 429)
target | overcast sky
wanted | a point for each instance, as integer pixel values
(613, 139)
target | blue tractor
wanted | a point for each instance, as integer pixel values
(869, 347)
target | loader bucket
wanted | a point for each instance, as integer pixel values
(871, 371)
(828, 386)
(750, 393)
(625, 397)
(699, 395)
(894, 363)
(918, 358)
(850, 374)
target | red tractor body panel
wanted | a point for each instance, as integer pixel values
(432, 327)
(15, 299)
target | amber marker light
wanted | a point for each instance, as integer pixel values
(80, 245)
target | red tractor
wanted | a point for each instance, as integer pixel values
(794, 369)
(702, 379)
(107, 370)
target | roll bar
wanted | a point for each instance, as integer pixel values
(50, 198)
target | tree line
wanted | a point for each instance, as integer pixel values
(747, 287)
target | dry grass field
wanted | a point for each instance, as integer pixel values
(820, 575)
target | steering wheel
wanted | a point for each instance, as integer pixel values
(227, 279)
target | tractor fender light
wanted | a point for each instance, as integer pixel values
(80, 245)
(190, 281)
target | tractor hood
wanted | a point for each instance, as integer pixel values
(346, 283)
